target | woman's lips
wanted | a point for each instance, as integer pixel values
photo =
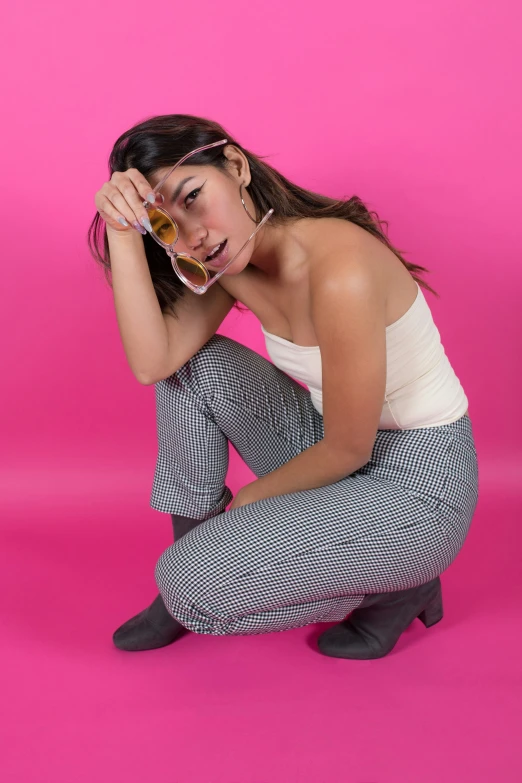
(221, 258)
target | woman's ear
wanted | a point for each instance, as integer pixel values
(237, 164)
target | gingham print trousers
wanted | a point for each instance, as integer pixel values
(304, 557)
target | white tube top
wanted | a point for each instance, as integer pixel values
(422, 389)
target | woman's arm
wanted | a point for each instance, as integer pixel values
(157, 344)
(348, 313)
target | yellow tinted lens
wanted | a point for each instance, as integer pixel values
(192, 269)
(162, 226)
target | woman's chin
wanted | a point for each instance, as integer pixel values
(234, 269)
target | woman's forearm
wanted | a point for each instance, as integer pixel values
(314, 467)
(140, 320)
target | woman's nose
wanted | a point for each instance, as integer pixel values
(195, 238)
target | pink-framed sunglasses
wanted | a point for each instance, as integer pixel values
(192, 272)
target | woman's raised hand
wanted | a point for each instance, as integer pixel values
(120, 202)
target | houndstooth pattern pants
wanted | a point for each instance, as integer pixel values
(304, 557)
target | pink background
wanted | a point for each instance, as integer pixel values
(413, 106)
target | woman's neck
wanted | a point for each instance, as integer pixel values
(279, 250)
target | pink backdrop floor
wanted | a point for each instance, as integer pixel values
(443, 707)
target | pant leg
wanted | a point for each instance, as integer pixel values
(308, 556)
(226, 392)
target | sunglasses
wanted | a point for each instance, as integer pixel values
(192, 272)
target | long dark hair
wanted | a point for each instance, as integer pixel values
(161, 141)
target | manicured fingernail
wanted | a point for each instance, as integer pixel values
(122, 221)
(151, 197)
(146, 222)
(139, 228)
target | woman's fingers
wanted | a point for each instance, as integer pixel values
(142, 186)
(134, 188)
(120, 207)
(120, 201)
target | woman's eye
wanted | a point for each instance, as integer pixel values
(192, 196)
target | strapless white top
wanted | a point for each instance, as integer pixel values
(422, 389)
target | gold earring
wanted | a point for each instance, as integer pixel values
(245, 206)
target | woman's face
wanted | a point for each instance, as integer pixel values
(206, 204)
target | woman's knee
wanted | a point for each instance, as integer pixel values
(178, 577)
(199, 376)
(215, 349)
(168, 572)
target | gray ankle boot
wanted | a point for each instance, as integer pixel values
(154, 626)
(373, 629)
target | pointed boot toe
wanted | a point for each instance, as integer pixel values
(152, 628)
(344, 641)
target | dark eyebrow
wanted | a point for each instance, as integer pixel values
(180, 187)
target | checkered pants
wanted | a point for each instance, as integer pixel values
(308, 556)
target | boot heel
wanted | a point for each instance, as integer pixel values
(432, 613)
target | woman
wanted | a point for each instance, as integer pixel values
(366, 475)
